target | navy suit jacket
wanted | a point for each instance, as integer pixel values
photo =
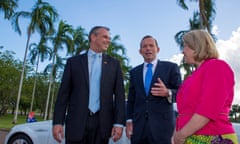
(158, 109)
(71, 107)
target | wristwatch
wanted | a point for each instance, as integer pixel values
(169, 97)
(169, 92)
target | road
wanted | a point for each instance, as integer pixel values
(3, 134)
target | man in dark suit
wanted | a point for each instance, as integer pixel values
(91, 116)
(150, 114)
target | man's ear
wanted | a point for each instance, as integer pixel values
(93, 37)
(140, 51)
(158, 49)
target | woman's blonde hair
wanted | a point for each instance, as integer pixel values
(202, 43)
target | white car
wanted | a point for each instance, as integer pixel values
(31, 133)
(40, 133)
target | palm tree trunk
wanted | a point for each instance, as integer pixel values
(52, 99)
(204, 20)
(49, 88)
(34, 86)
(21, 79)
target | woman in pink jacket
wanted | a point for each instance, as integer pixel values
(205, 97)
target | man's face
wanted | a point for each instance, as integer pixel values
(101, 40)
(149, 49)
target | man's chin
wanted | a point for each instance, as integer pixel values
(149, 57)
(105, 49)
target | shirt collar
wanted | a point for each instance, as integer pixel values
(91, 53)
(154, 62)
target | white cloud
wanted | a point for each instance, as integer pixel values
(229, 51)
(176, 58)
(215, 30)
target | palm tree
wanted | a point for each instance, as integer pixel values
(202, 19)
(8, 7)
(42, 17)
(62, 37)
(194, 24)
(118, 51)
(235, 111)
(80, 40)
(58, 66)
(38, 52)
(206, 11)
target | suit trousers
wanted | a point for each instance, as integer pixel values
(92, 134)
(146, 137)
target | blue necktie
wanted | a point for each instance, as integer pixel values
(94, 95)
(148, 78)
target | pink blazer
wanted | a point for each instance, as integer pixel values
(208, 92)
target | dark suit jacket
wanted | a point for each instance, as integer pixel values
(158, 109)
(71, 107)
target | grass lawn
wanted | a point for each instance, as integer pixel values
(6, 121)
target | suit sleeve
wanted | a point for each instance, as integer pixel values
(175, 81)
(63, 96)
(119, 97)
(131, 97)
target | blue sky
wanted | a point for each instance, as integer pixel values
(132, 19)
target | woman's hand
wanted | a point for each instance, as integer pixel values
(178, 138)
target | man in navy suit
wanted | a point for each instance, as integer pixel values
(150, 114)
(83, 124)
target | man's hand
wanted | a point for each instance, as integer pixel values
(129, 129)
(159, 89)
(58, 133)
(116, 133)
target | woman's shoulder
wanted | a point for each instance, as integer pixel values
(216, 64)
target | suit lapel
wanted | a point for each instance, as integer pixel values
(140, 75)
(156, 73)
(104, 67)
(85, 67)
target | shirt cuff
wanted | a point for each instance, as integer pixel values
(129, 120)
(118, 125)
